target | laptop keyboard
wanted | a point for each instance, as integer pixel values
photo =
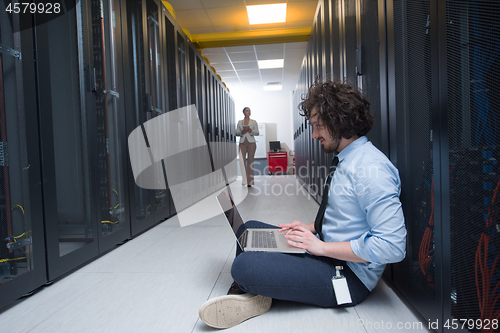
(264, 240)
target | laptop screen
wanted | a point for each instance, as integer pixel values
(232, 214)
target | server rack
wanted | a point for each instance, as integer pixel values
(413, 86)
(157, 18)
(138, 100)
(22, 243)
(107, 91)
(70, 195)
(430, 70)
(67, 141)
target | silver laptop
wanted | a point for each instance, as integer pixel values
(253, 239)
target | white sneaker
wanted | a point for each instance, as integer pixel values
(230, 310)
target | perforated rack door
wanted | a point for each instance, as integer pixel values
(473, 69)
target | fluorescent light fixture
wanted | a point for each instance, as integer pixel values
(261, 14)
(273, 87)
(272, 63)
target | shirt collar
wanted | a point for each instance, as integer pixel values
(352, 147)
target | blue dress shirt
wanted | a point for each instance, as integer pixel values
(364, 209)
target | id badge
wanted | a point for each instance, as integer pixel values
(340, 287)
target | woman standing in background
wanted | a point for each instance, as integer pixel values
(246, 129)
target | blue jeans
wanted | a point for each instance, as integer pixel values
(300, 278)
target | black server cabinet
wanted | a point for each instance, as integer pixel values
(446, 90)
(171, 68)
(68, 141)
(146, 64)
(181, 70)
(368, 70)
(82, 120)
(107, 102)
(472, 104)
(350, 44)
(156, 23)
(22, 244)
(192, 68)
(336, 38)
(315, 146)
(464, 46)
(139, 103)
(419, 274)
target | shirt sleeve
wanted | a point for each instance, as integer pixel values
(255, 128)
(378, 192)
(239, 128)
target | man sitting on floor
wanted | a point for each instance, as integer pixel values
(358, 230)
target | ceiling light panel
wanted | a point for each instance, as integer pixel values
(262, 14)
(272, 63)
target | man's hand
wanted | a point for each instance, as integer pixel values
(285, 227)
(301, 235)
(303, 238)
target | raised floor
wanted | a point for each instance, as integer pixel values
(157, 281)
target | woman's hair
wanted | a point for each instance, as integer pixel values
(246, 107)
(342, 108)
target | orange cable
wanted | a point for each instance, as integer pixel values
(425, 251)
(486, 304)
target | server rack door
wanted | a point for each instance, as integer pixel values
(314, 156)
(215, 127)
(171, 68)
(368, 68)
(200, 132)
(182, 133)
(114, 226)
(68, 133)
(336, 33)
(350, 41)
(327, 39)
(222, 129)
(206, 117)
(222, 133)
(181, 70)
(197, 189)
(473, 101)
(308, 143)
(201, 106)
(139, 104)
(170, 56)
(417, 274)
(341, 41)
(319, 42)
(192, 75)
(22, 245)
(162, 200)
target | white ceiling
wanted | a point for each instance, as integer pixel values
(237, 65)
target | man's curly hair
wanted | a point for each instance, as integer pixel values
(342, 107)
